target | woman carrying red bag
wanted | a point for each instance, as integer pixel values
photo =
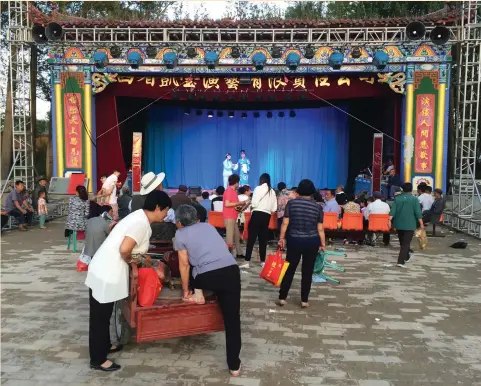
(303, 232)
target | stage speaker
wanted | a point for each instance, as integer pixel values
(115, 51)
(439, 35)
(276, 52)
(197, 190)
(415, 30)
(38, 34)
(191, 52)
(309, 52)
(235, 53)
(54, 31)
(151, 52)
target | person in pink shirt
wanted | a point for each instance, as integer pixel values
(231, 201)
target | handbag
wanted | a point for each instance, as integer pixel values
(83, 262)
(274, 269)
(149, 287)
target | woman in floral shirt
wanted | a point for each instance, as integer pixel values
(78, 210)
(282, 201)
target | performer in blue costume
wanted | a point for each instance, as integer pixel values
(245, 166)
(228, 169)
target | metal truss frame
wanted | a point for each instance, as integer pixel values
(18, 36)
(465, 193)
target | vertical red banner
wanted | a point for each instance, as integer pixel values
(136, 161)
(377, 162)
(73, 130)
(423, 148)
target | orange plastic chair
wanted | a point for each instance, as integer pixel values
(378, 223)
(273, 222)
(330, 221)
(216, 219)
(247, 218)
(352, 222)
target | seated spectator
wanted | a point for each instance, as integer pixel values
(434, 214)
(318, 198)
(201, 211)
(293, 193)
(4, 214)
(351, 206)
(425, 199)
(332, 205)
(205, 202)
(393, 183)
(341, 197)
(377, 207)
(124, 202)
(217, 203)
(180, 198)
(18, 206)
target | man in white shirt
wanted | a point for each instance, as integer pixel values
(425, 199)
(378, 207)
(109, 189)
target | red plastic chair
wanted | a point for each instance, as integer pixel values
(378, 223)
(216, 219)
(330, 221)
(352, 222)
(247, 218)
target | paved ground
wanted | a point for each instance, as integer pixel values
(382, 326)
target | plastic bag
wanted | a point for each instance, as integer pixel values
(83, 262)
(274, 269)
(422, 238)
(149, 287)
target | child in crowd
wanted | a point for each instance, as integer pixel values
(42, 209)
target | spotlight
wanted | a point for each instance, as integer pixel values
(276, 52)
(269, 114)
(335, 60)
(151, 52)
(191, 52)
(115, 52)
(54, 32)
(235, 53)
(271, 98)
(244, 97)
(244, 115)
(259, 61)
(281, 114)
(231, 114)
(211, 59)
(256, 115)
(380, 59)
(292, 61)
(210, 114)
(187, 111)
(100, 59)
(356, 53)
(439, 35)
(292, 114)
(220, 114)
(231, 98)
(259, 98)
(38, 34)
(170, 60)
(309, 52)
(216, 98)
(415, 30)
(198, 113)
(135, 60)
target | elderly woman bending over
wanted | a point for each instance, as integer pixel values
(213, 268)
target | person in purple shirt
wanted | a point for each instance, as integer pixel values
(331, 205)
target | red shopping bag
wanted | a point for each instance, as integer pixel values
(274, 269)
(149, 287)
(82, 267)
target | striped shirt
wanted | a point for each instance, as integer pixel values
(304, 216)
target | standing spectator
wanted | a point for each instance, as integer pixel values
(282, 201)
(341, 197)
(17, 205)
(101, 198)
(393, 183)
(243, 197)
(78, 210)
(230, 201)
(180, 198)
(42, 209)
(109, 190)
(217, 201)
(331, 203)
(148, 183)
(406, 213)
(302, 229)
(205, 202)
(124, 202)
(41, 187)
(201, 211)
(264, 203)
(97, 230)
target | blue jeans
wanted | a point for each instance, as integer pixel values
(41, 219)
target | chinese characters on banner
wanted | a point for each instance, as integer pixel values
(377, 162)
(423, 156)
(73, 130)
(136, 161)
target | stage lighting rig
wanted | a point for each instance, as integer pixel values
(415, 30)
(220, 114)
(439, 35)
(380, 59)
(54, 32)
(170, 60)
(292, 114)
(269, 114)
(210, 114)
(292, 61)
(259, 61)
(281, 114)
(38, 34)
(198, 113)
(256, 115)
(135, 60)
(187, 111)
(231, 114)
(356, 53)
(211, 59)
(244, 115)
(335, 60)
(100, 59)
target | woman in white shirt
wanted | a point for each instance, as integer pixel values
(108, 275)
(264, 203)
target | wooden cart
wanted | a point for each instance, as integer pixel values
(168, 318)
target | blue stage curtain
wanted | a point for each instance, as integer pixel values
(190, 149)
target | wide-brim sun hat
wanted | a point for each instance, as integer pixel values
(150, 181)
